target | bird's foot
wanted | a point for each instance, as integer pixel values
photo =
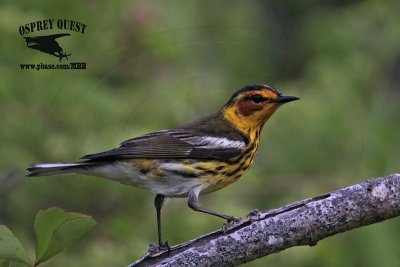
(161, 247)
(231, 221)
(254, 215)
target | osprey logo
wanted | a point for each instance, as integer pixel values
(46, 37)
(48, 44)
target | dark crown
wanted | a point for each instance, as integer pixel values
(252, 87)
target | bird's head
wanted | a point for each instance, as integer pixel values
(252, 105)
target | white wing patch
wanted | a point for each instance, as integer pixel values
(215, 142)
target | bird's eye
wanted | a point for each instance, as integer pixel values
(256, 98)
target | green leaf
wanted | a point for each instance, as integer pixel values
(56, 230)
(45, 224)
(10, 247)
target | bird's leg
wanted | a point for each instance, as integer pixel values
(194, 204)
(158, 203)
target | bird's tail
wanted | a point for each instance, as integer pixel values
(56, 168)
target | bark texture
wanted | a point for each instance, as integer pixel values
(302, 223)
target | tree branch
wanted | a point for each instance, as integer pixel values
(301, 223)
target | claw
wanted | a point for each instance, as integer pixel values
(165, 247)
(254, 212)
(254, 215)
(155, 249)
(231, 221)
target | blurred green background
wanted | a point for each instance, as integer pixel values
(158, 64)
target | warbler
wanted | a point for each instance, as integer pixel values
(197, 158)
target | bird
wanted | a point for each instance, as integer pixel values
(48, 44)
(187, 161)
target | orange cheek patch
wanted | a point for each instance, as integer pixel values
(246, 107)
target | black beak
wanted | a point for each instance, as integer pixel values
(286, 98)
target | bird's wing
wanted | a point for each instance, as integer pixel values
(176, 143)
